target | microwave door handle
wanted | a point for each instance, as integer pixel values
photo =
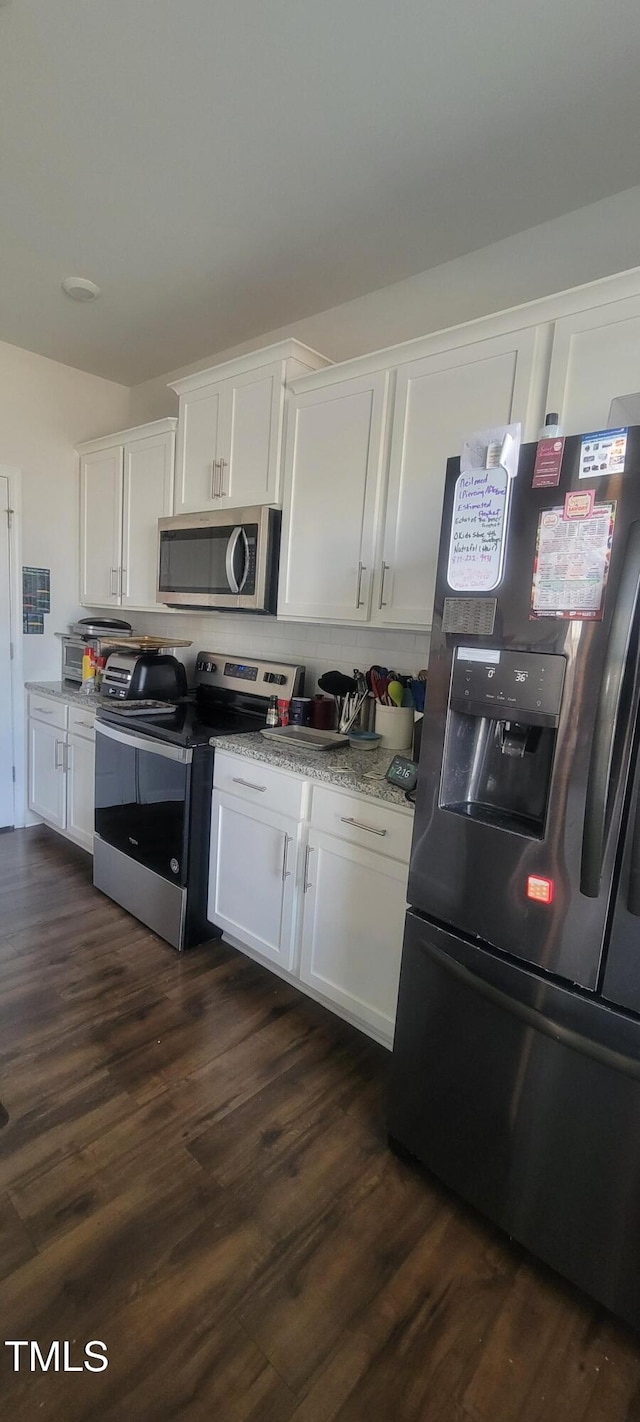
(245, 575)
(234, 540)
(594, 834)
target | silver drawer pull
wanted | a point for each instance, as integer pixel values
(305, 876)
(285, 872)
(237, 780)
(41, 711)
(357, 825)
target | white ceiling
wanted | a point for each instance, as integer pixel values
(223, 167)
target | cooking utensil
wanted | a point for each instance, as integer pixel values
(417, 692)
(336, 683)
(395, 692)
(379, 686)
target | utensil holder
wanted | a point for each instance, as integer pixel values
(395, 725)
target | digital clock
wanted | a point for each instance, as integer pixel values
(402, 772)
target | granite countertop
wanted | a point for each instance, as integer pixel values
(68, 691)
(350, 769)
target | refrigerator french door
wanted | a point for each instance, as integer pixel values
(516, 1073)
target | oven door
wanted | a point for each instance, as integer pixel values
(143, 789)
(217, 560)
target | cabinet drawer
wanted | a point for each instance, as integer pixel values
(260, 784)
(82, 722)
(368, 823)
(45, 708)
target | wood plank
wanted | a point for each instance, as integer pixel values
(195, 1169)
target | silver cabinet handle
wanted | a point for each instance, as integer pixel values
(114, 582)
(66, 756)
(305, 878)
(237, 780)
(362, 568)
(285, 852)
(123, 574)
(385, 569)
(222, 490)
(59, 760)
(357, 824)
(42, 712)
(214, 479)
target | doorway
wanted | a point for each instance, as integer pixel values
(7, 742)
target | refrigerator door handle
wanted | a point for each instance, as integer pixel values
(633, 895)
(533, 1017)
(598, 798)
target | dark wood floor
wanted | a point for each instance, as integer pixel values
(194, 1171)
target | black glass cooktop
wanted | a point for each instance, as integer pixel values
(186, 723)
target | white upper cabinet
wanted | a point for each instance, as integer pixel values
(438, 401)
(100, 526)
(126, 485)
(332, 476)
(361, 526)
(595, 356)
(230, 428)
(148, 496)
(198, 449)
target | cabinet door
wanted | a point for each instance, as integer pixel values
(252, 417)
(438, 402)
(80, 789)
(198, 448)
(352, 929)
(46, 772)
(595, 356)
(333, 469)
(252, 873)
(148, 496)
(101, 527)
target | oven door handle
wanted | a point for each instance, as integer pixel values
(146, 743)
(234, 539)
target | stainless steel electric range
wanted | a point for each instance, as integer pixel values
(154, 774)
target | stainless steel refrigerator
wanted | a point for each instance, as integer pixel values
(516, 1063)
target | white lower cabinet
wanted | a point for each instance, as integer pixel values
(46, 772)
(352, 929)
(252, 876)
(80, 792)
(62, 768)
(294, 881)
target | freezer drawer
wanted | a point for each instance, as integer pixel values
(524, 1098)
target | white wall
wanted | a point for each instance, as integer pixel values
(582, 246)
(45, 409)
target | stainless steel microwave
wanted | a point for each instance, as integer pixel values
(222, 561)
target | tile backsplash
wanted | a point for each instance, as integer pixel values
(319, 647)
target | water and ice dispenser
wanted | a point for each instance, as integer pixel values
(502, 723)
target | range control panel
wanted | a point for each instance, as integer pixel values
(517, 686)
(250, 676)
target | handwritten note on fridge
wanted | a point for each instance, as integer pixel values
(478, 528)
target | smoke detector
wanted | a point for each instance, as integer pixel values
(80, 288)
